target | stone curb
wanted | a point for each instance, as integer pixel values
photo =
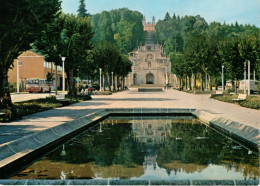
(25, 145)
(129, 182)
(245, 134)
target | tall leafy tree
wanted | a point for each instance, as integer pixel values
(121, 26)
(20, 23)
(70, 37)
(234, 63)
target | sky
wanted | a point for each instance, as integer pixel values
(230, 11)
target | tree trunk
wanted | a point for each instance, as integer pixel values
(210, 83)
(190, 83)
(104, 82)
(71, 83)
(109, 81)
(201, 76)
(216, 82)
(186, 82)
(115, 82)
(123, 82)
(195, 81)
(4, 88)
(236, 86)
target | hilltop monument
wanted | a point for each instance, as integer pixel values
(150, 65)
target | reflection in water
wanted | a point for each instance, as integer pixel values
(147, 148)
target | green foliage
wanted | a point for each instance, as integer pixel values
(49, 77)
(68, 36)
(108, 58)
(167, 16)
(250, 102)
(33, 106)
(21, 22)
(82, 12)
(121, 26)
(174, 32)
(206, 47)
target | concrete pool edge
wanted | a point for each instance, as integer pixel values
(128, 182)
(19, 149)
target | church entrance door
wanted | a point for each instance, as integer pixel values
(149, 78)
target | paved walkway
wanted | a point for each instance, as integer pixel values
(127, 99)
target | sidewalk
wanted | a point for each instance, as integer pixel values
(127, 99)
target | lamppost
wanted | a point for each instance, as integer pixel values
(63, 77)
(166, 78)
(245, 77)
(112, 81)
(222, 78)
(206, 82)
(248, 78)
(100, 69)
(17, 76)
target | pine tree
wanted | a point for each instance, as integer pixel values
(82, 12)
(167, 16)
(174, 16)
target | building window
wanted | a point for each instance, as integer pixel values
(149, 56)
(47, 64)
(149, 64)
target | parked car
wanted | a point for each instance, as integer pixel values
(253, 85)
(96, 86)
(92, 87)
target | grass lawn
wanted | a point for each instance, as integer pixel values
(251, 102)
(38, 105)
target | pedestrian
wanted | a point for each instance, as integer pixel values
(89, 90)
(86, 91)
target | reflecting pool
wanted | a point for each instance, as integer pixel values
(147, 148)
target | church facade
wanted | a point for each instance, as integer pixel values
(149, 64)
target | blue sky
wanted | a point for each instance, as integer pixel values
(243, 11)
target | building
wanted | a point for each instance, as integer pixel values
(149, 63)
(149, 26)
(32, 65)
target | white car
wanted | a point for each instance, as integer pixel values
(253, 85)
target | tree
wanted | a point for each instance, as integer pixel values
(121, 26)
(249, 49)
(20, 24)
(108, 58)
(233, 62)
(49, 79)
(167, 17)
(68, 36)
(82, 12)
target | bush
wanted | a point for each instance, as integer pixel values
(230, 90)
(250, 102)
(12, 87)
(33, 106)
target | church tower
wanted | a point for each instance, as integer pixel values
(144, 21)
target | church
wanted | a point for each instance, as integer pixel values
(149, 64)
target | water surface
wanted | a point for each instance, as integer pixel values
(147, 148)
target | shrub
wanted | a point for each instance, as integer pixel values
(250, 102)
